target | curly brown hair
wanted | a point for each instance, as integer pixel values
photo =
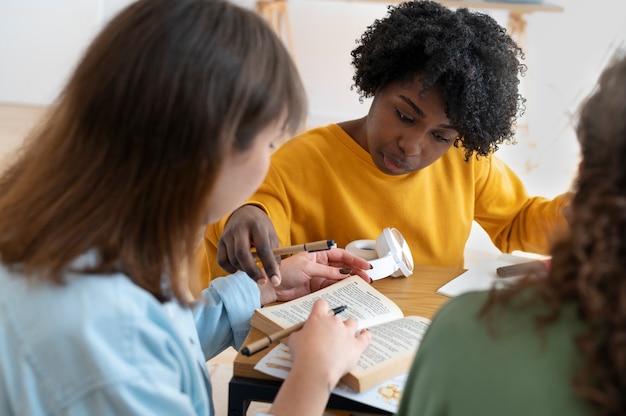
(468, 56)
(589, 263)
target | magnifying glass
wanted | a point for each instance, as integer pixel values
(389, 254)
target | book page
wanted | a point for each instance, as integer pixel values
(385, 396)
(365, 304)
(390, 354)
(391, 340)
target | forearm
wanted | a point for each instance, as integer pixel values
(222, 316)
(535, 227)
(303, 393)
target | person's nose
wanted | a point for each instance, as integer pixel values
(414, 144)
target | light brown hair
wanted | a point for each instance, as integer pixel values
(124, 164)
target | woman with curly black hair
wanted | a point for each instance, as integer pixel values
(553, 345)
(445, 95)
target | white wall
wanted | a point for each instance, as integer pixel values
(40, 42)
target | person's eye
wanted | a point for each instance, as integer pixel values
(441, 139)
(403, 117)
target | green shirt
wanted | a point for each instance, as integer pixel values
(498, 365)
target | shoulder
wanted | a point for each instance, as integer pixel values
(318, 139)
(504, 328)
(95, 333)
(465, 313)
(455, 164)
(314, 153)
(462, 321)
(465, 353)
(459, 313)
(467, 302)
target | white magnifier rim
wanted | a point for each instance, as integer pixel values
(400, 251)
(389, 254)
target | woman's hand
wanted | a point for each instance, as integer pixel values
(323, 351)
(247, 227)
(304, 273)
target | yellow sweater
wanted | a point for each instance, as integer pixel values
(323, 185)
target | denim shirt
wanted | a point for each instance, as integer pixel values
(102, 345)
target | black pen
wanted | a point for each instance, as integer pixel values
(265, 342)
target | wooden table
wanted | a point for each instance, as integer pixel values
(415, 295)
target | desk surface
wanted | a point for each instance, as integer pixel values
(415, 295)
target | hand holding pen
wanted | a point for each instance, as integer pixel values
(266, 341)
(249, 226)
(325, 349)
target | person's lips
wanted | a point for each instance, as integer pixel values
(396, 165)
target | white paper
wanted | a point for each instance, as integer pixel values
(482, 276)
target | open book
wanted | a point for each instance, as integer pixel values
(395, 338)
(384, 396)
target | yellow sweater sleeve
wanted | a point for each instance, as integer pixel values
(513, 219)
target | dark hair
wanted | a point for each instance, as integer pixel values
(466, 55)
(127, 159)
(589, 263)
